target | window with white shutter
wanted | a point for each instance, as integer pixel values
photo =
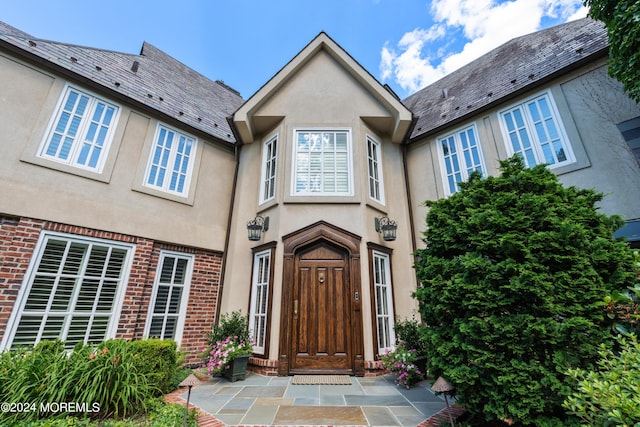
(168, 306)
(73, 292)
(322, 163)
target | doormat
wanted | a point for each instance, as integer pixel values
(321, 380)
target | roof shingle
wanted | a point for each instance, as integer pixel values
(152, 78)
(507, 70)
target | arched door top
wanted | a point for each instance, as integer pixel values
(321, 230)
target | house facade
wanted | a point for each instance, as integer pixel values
(130, 184)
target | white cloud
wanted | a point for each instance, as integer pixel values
(422, 56)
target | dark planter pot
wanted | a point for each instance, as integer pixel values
(421, 363)
(238, 368)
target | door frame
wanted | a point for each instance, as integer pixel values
(293, 243)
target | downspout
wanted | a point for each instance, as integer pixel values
(227, 237)
(405, 145)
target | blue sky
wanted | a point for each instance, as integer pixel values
(404, 43)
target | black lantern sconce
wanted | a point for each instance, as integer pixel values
(256, 226)
(387, 227)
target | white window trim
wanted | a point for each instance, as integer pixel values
(75, 149)
(371, 140)
(182, 315)
(384, 257)
(190, 167)
(441, 156)
(25, 287)
(263, 173)
(266, 254)
(295, 159)
(532, 136)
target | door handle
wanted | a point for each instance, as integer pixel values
(295, 308)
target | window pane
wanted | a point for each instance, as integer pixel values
(170, 162)
(82, 126)
(258, 310)
(534, 131)
(68, 289)
(322, 163)
(169, 302)
(383, 301)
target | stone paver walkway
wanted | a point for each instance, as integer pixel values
(274, 401)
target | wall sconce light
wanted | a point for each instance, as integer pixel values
(256, 226)
(388, 228)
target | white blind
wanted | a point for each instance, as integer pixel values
(72, 292)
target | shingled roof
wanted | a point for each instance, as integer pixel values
(507, 71)
(152, 78)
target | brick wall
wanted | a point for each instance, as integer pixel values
(18, 239)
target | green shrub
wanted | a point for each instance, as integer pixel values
(512, 280)
(158, 360)
(609, 395)
(108, 374)
(159, 414)
(117, 375)
(33, 376)
(233, 324)
(408, 334)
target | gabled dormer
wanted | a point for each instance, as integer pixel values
(307, 75)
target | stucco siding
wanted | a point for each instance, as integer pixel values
(39, 188)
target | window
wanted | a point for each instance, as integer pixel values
(171, 161)
(73, 292)
(630, 131)
(260, 293)
(81, 131)
(383, 300)
(375, 170)
(269, 164)
(170, 296)
(460, 152)
(322, 163)
(534, 131)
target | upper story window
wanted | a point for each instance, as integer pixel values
(376, 190)
(171, 161)
(81, 130)
(322, 163)
(269, 170)
(534, 131)
(461, 155)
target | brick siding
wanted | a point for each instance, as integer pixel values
(18, 239)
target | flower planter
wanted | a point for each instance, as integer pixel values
(237, 368)
(421, 363)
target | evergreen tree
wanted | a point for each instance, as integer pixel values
(513, 278)
(622, 19)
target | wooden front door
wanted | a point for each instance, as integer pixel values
(321, 322)
(321, 317)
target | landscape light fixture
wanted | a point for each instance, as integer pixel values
(443, 386)
(190, 381)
